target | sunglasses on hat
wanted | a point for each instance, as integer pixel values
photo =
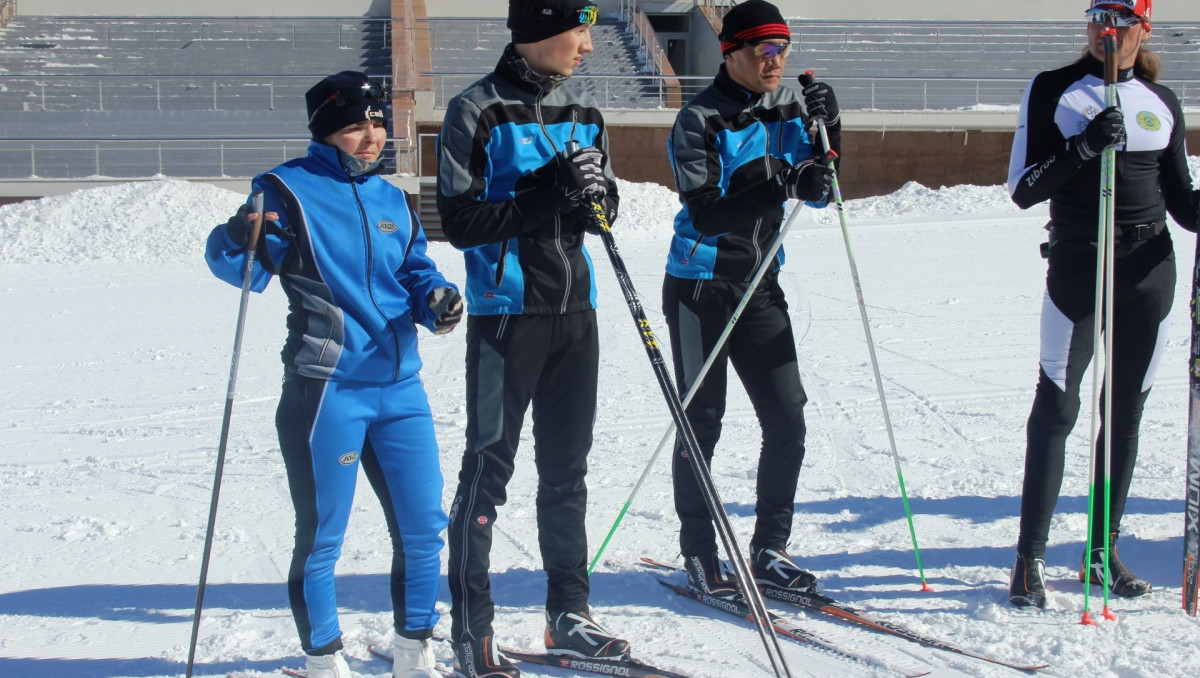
(370, 92)
(1112, 17)
(770, 50)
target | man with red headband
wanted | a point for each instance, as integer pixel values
(739, 150)
(1062, 129)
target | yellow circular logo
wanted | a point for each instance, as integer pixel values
(1148, 121)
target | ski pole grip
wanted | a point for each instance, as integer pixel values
(806, 78)
(256, 204)
(570, 147)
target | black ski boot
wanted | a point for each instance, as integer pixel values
(774, 568)
(1027, 587)
(577, 634)
(482, 659)
(1121, 581)
(710, 574)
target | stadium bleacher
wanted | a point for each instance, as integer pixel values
(125, 97)
(91, 93)
(462, 50)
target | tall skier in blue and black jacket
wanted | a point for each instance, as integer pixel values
(1062, 129)
(350, 255)
(513, 202)
(739, 150)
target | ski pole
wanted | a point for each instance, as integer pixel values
(768, 261)
(762, 619)
(806, 79)
(1102, 317)
(251, 245)
(1191, 520)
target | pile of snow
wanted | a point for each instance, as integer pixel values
(147, 221)
(165, 220)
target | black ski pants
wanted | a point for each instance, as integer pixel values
(1143, 291)
(513, 360)
(763, 353)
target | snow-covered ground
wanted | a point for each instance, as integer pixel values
(115, 363)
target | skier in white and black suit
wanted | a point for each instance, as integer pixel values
(1062, 130)
(739, 150)
(351, 256)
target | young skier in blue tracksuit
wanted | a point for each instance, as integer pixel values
(351, 256)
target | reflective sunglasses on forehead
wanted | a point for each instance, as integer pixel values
(369, 92)
(588, 15)
(1113, 17)
(770, 50)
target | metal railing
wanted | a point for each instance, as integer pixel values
(176, 32)
(969, 36)
(854, 93)
(635, 19)
(157, 93)
(140, 158)
(610, 91)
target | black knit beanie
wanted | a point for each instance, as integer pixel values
(343, 99)
(536, 20)
(751, 22)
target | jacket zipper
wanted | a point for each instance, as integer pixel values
(558, 218)
(366, 231)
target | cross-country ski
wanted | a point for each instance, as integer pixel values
(814, 600)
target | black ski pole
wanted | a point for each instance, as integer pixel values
(715, 507)
(251, 245)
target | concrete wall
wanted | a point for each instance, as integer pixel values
(206, 8)
(873, 162)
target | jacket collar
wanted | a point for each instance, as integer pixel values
(1095, 67)
(328, 159)
(513, 68)
(730, 88)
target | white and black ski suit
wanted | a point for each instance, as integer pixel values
(1151, 180)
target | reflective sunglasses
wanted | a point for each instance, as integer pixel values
(588, 15)
(1106, 17)
(369, 92)
(770, 50)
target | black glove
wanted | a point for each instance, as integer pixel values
(820, 102)
(810, 180)
(581, 175)
(1105, 130)
(239, 227)
(447, 307)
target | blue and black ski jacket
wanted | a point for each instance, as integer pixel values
(726, 148)
(351, 256)
(497, 163)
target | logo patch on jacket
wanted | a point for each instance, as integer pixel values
(386, 226)
(1148, 121)
(348, 458)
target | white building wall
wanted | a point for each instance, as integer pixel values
(209, 8)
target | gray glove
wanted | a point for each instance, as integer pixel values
(446, 305)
